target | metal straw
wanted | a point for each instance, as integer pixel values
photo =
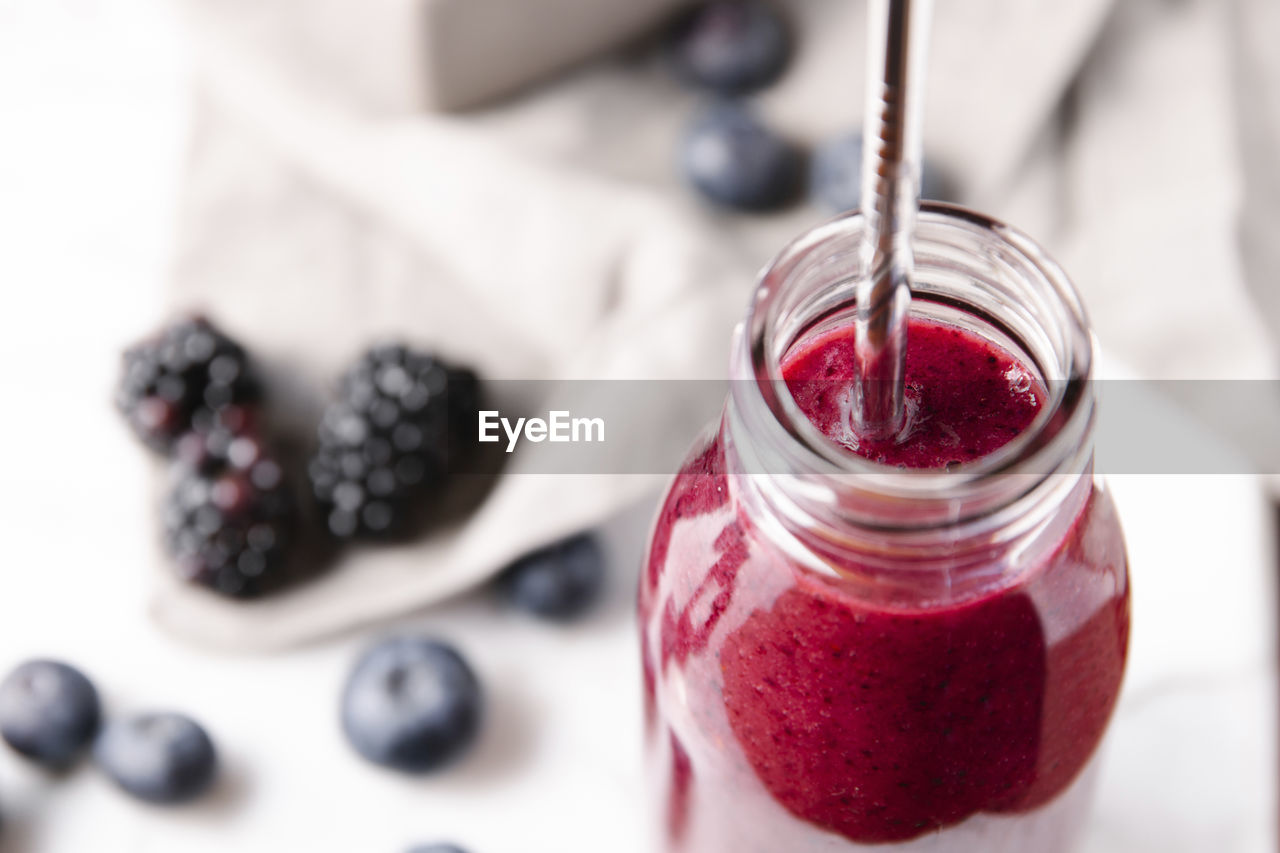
(897, 43)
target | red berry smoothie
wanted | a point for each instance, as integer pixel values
(793, 709)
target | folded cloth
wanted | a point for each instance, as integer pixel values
(548, 237)
(395, 56)
(308, 282)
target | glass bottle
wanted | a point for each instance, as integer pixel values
(841, 654)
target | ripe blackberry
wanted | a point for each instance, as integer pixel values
(230, 518)
(384, 446)
(180, 379)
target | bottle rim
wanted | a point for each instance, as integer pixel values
(965, 243)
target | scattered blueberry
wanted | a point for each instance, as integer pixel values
(385, 446)
(734, 160)
(731, 47)
(437, 848)
(161, 758)
(181, 379)
(557, 582)
(412, 704)
(835, 175)
(49, 712)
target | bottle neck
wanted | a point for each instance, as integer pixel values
(924, 534)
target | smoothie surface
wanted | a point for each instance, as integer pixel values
(966, 397)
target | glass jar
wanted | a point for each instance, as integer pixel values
(840, 654)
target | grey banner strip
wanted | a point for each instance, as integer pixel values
(646, 427)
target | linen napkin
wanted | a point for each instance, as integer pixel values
(549, 238)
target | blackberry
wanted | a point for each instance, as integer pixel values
(385, 445)
(230, 517)
(180, 379)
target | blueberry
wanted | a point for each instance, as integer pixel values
(557, 582)
(734, 160)
(49, 712)
(437, 848)
(164, 758)
(412, 704)
(835, 175)
(731, 47)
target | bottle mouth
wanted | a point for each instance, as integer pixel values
(969, 270)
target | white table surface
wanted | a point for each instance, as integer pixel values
(92, 141)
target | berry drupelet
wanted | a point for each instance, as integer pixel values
(230, 517)
(181, 379)
(385, 445)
